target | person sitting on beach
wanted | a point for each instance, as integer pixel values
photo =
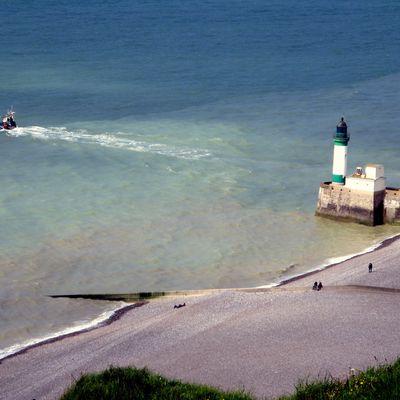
(315, 286)
(180, 305)
(320, 286)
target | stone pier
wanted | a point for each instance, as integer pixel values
(363, 198)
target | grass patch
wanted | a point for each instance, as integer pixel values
(141, 384)
(378, 383)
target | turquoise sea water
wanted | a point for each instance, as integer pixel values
(178, 145)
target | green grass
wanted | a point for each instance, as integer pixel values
(141, 384)
(376, 383)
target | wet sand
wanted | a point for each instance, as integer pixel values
(260, 340)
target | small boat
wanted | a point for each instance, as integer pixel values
(8, 121)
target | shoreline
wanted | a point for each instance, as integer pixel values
(115, 316)
(263, 340)
(381, 245)
(119, 312)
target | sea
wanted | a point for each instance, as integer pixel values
(175, 145)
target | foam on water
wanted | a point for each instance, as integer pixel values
(329, 262)
(108, 140)
(76, 328)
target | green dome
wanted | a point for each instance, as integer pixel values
(341, 135)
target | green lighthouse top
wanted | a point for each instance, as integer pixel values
(341, 136)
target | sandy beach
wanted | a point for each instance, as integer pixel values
(261, 340)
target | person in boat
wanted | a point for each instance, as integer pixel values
(12, 121)
(5, 123)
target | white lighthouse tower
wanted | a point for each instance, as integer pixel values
(341, 139)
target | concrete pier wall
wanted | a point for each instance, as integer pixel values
(339, 202)
(392, 206)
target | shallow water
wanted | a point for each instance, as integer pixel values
(175, 146)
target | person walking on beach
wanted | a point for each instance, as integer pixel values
(320, 286)
(370, 267)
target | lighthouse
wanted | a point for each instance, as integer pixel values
(361, 196)
(339, 168)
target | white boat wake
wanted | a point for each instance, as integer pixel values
(108, 140)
